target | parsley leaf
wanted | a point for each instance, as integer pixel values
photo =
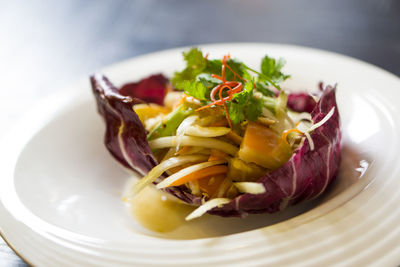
(237, 105)
(207, 80)
(271, 68)
(195, 89)
(253, 109)
(201, 87)
(213, 66)
(194, 59)
(197, 81)
(244, 105)
(236, 66)
(195, 64)
(263, 88)
(236, 114)
(270, 74)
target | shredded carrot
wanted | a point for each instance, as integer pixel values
(216, 154)
(217, 77)
(221, 90)
(206, 56)
(204, 107)
(227, 116)
(206, 172)
(211, 184)
(231, 87)
(214, 91)
(234, 73)
(184, 150)
(213, 158)
(287, 132)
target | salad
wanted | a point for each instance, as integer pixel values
(223, 136)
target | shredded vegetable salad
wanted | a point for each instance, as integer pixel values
(222, 126)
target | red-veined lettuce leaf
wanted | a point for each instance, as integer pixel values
(151, 89)
(125, 135)
(301, 102)
(307, 173)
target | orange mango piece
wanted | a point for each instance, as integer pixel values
(263, 146)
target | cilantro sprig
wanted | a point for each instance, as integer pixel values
(196, 80)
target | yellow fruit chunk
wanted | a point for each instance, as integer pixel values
(147, 111)
(264, 147)
(211, 184)
(240, 171)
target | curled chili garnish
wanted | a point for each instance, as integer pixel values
(230, 87)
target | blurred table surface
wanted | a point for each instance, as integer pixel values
(46, 45)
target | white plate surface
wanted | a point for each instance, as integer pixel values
(61, 190)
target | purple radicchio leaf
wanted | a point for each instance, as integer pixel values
(307, 173)
(301, 102)
(128, 143)
(125, 136)
(151, 89)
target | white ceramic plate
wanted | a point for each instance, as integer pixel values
(60, 189)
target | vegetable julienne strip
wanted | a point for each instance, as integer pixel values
(237, 139)
(196, 130)
(223, 187)
(170, 141)
(187, 171)
(181, 130)
(250, 187)
(324, 120)
(209, 205)
(316, 125)
(227, 116)
(186, 150)
(310, 141)
(203, 173)
(217, 155)
(162, 167)
(302, 129)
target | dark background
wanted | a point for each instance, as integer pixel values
(46, 45)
